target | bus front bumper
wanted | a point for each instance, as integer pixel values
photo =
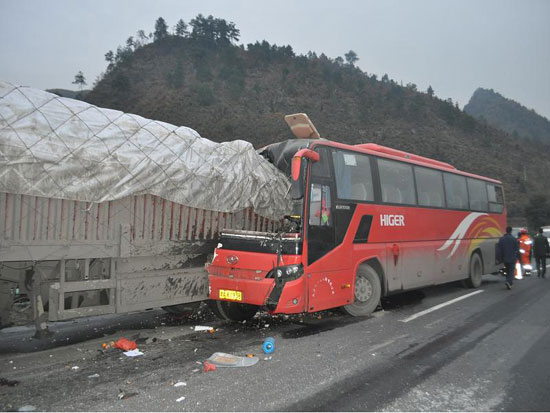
(285, 298)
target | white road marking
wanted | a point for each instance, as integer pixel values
(437, 307)
(386, 343)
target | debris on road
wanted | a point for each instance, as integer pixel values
(75, 368)
(125, 344)
(93, 376)
(230, 360)
(123, 395)
(180, 383)
(269, 345)
(268, 358)
(133, 353)
(208, 367)
(204, 328)
(182, 398)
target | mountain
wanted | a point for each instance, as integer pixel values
(229, 92)
(508, 115)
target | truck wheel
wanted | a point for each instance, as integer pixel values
(476, 271)
(367, 292)
(228, 310)
(186, 309)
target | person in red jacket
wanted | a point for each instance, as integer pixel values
(525, 244)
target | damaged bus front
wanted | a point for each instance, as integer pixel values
(253, 269)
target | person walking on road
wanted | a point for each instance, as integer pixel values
(525, 252)
(507, 253)
(541, 248)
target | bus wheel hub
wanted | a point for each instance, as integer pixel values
(363, 289)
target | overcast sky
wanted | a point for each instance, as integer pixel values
(454, 46)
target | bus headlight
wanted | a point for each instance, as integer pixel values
(291, 269)
(286, 272)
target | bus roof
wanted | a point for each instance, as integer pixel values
(395, 154)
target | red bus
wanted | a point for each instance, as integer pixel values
(368, 221)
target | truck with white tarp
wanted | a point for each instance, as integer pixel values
(107, 212)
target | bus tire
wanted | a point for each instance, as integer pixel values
(231, 311)
(368, 291)
(476, 271)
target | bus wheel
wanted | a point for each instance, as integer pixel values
(228, 310)
(367, 292)
(476, 271)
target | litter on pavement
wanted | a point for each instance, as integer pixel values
(93, 376)
(208, 367)
(180, 383)
(75, 368)
(123, 395)
(230, 360)
(125, 344)
(204, 328)
(133, 353)
(269, 345)
(182, 398)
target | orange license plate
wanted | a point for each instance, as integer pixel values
(231, 295)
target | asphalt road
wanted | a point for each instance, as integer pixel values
(489, 351)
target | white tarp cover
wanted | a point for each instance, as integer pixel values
(64, 148)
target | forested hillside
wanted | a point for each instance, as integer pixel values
(199, 77)
(508, 115)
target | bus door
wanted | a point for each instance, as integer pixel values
(327, 269)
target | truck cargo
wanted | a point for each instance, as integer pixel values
(107, 212)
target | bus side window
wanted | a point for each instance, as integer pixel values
(496, 198)
(456, 191)
(396, 181)
(353, 176)
(478, 195)
(429, 183)
(320, 206)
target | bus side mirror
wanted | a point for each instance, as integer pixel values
(297, 161)
(298, 171)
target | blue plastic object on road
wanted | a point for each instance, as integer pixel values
(269, 345)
